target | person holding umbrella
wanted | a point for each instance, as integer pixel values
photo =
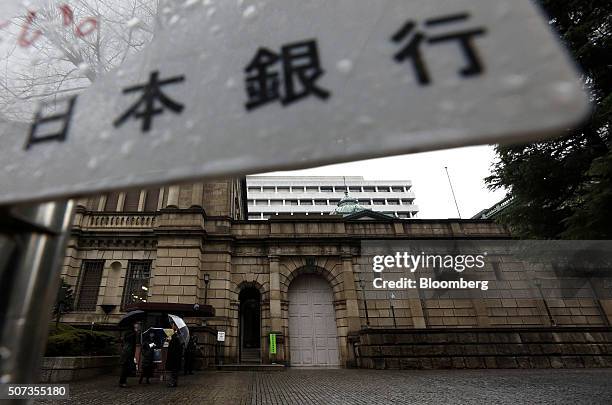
(190, 352)
(147, 351)
(175, 348)
(127, 354)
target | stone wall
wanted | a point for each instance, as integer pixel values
(484, 348)
(207, 340)
(62, 369)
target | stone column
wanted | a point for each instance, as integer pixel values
(121, 201)
(197, 195)
(102, 202)
(418, 317)
(276, 316)
(352, 321)
(173, 196)
(141, 200)
(350, 294)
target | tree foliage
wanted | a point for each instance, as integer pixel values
(561, 188)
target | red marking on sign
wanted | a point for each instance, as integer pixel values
(67, 14)
(27, 39)
(23, 39)
(93, 25)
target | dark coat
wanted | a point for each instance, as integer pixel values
(175, 352)
(191, 348)
(129, 348)
(146, 353)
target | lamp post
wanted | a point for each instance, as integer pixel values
(206, 281)
(391, 298)
(538, 284)
(365, 301)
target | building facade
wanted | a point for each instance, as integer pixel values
(319, 195)
(296, 276)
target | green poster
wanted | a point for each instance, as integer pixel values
(272, 343)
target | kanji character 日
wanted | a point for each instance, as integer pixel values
(42, 120)
(295, 78)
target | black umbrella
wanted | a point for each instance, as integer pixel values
(132, 317)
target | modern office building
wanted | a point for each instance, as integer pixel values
(319, 195)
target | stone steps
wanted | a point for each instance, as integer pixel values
(250, 356)
(251, 367)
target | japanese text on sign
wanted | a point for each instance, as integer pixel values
(288, 76)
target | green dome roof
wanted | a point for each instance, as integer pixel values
(347, 206)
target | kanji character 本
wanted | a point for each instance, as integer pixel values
(40, 120)
(301, 68)
(412, 50)
(151, 92)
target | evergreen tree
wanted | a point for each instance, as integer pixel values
(562, 188)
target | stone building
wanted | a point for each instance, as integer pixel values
(299, 277)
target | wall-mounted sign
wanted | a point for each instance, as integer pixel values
(272, 343)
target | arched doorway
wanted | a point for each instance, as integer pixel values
(313, 336)
(250, 325)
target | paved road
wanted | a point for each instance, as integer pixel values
(368, 387)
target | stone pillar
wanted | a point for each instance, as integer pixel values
(418, 317)
(102, 202)
(121, 201)
(350, 293)
(160, 201)
(416, 305)
(197, 195)
(173, 196)
(352, 321)
(141, 200)
(276, 316)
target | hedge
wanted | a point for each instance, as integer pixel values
(66, 340)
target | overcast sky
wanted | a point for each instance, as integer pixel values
(467, 167)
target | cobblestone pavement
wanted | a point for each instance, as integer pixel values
(358, 387)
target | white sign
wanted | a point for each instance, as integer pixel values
(243, 88)
(220, 336)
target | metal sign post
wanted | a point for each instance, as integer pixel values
(32, 247)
